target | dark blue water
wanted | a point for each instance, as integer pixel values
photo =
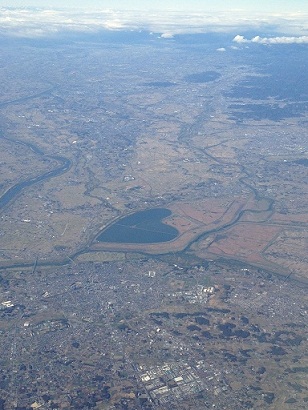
(140, 227)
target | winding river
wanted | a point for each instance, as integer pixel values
(122, 228)
(11, 193)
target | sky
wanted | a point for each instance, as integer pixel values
(189, 5)
(39, 18)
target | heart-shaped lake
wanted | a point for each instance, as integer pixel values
(140, 227)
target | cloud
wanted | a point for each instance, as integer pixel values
(222, 49)
(34, 22)
(240, 39)
(167, 35)
(272, 40)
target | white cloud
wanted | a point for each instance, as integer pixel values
(240, 39)
(222, 49)
(167, 35)
(272, 40)
(40, 22)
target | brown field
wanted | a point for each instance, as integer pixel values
(289, 249)
(290, 218)
(259, 238)
(191, 220)
(244, 241)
